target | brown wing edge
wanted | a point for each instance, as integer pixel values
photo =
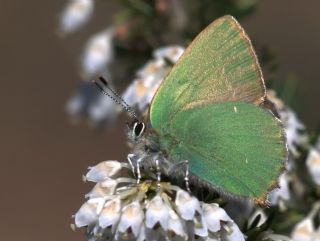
(253, 53)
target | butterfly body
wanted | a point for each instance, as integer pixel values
(210, 111)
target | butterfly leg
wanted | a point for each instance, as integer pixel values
(129, 158)
(158, 173)
(135, 166)
(186, 177)
(185, 163)
(138, 170)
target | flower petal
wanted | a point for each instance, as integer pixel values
(233, 233)
(200, 226)
(157, 212)
(176, 226)
(212, 217)
(313, 164)
(86, 215)
(187, 205)
(173, 53)
(103, 170)
(303, 230)
(103, 189)
(132, 217)
(110, 213)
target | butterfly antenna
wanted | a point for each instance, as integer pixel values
(102, 84)
(103, 80)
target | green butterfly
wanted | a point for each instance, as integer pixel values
(209, 111)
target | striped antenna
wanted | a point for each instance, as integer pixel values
(104, 87)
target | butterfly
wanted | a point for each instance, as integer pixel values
(210, 110)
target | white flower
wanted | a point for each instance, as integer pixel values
(102, 189)
(176, 228)
(213, 215)
(110, 213)
(275, 237)
(232, 233)
(280, 194)
(142, 234)
(86, 215)
(313, 164)
(98, 53)
(157, 212)
(293, 129)
(173, 53)
(75, 15)
(187, 206)
(131, 218)
(200, 226)
(316, 235)
(303, 230)
(103, 171)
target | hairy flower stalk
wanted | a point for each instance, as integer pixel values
(125, 208)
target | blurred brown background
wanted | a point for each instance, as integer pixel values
(43, 155)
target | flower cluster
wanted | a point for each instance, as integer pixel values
(125, 208)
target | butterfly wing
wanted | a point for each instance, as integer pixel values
(206, 111)
(236, 146)
(220, 65)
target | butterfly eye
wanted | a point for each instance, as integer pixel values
(138, 128)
